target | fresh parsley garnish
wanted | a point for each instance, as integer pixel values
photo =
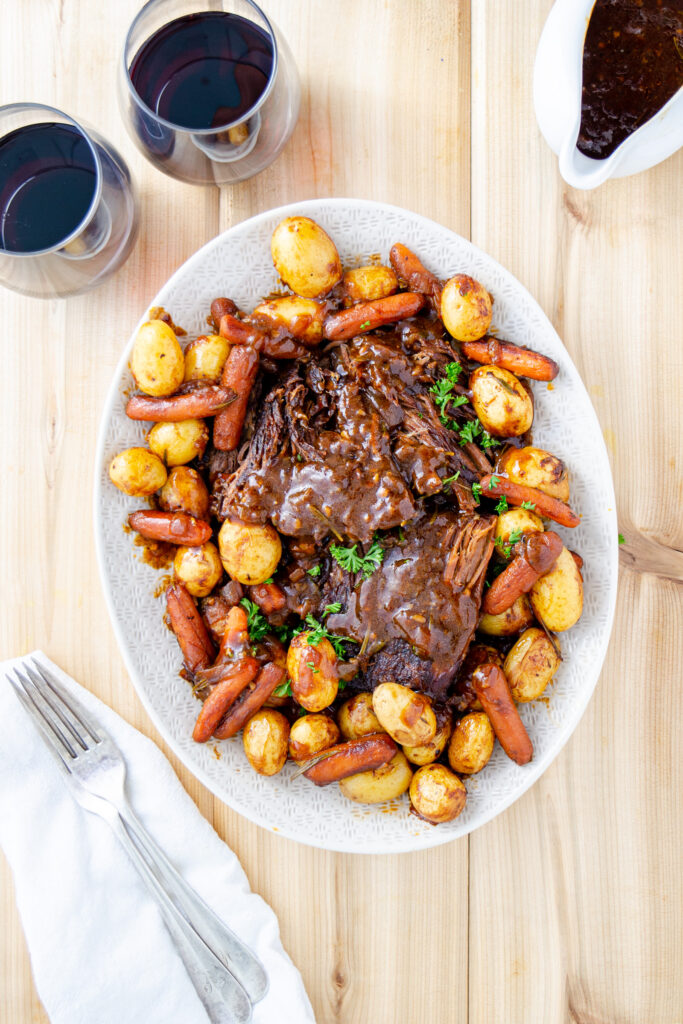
(318, 632)
(476, 491)
(315, 571)
(529, 505)
(363, 326)
(269, 580)
(331, 609)
(442, 392)
(314, 670)
(469, 431)
(453, 371)
(505, 548)
(502, 506)
(349, 559)
(494, 481)
(284, 689)
(622, 539)
(446, 484)
(487, 441)
(257, 623)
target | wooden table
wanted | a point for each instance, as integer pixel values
(566, 908)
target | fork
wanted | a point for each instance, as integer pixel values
(228, 977)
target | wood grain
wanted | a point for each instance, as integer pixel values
(567, 907)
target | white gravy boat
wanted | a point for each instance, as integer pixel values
(558, 73)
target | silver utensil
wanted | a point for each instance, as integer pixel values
(228, 977)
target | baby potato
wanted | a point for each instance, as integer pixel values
(137, 471)
(436, 794)
(312, 669)
(178, 443)
(516, 520)
(557, 597)
(535, 467)
(265, 741)
(250, 552)
(302, 318)
(501, 402)
(356, 717)
(513, 620)
(364, 284)
(305, 257)
(471, 744)
(199, 568)
(205, 358)
(530, 665)
(385, 783)
(407, 716)
(425, 753)
(157, 362)
(185, 491)
(466, 308)
(311, 734)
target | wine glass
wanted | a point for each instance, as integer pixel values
(208, 96)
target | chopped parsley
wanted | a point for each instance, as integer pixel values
(494, 481)
(476, 491)
(351, 561)
(315, 571)
(622, 539)
(469, 431)
(284, 689)
(270, 580)
(442, 392)
(487, 441)
(314, 670)
(363, 326)
(506, 548)
(502, 506)
(257, 623)
(318, 632)
(529, 505)
(446, 484)
(331, 609)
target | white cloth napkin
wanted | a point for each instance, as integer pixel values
(99, 948)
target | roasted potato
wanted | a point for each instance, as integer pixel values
(501, 402)
(466, 308)
(518, 521)
(311, 734)
(425, 753)
(185, 491)
(385, 783)
(265, 741)
(530, 665)
(137, 471)
(305, 257)
(471, 744)
(205, 358)
(557, 597)
(178, 443)
(513, 620)
(157, 363)
(302, 318)
(437, 795)
(534, 467)
(312, 670)
(356, 717)
(407, 716)
(250, 552)
(365, 284)
(198, 568)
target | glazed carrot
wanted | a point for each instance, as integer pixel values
(268, 679)
(494, 486)
(215, 611)
(235, 639)
(204, 400)
(219, 307)
(491, 687)
(172, 527)
(239, 374)
(189, 628)
(238, 332)
(344, 759)
(537, 553)
(366, 316)
(269, 597)
(226, 692)
(411, 270)
(522, 361)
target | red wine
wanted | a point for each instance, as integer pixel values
(47, 183)
(203, 70)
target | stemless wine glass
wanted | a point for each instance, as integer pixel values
(208, 89)
(68, 214)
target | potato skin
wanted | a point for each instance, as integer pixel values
(157, 362)
(137, 471)
(185, 491)
(437, 795)
(312, 670)
(530, 665)
(385, 783)
(471, 744)
(466, 308)
(365, 284)
(501, 402)
(302, 318)
(199, 568)
(537, 468)
(426, 753)
(250, 552)
(407, 716)
(513, 520)
(180, 442)
(265, 741)
(557, 597)
(513, 620)
(205, 358)
(311, 734)
(305, 257)
(356, 717)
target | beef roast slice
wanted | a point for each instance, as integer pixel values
(416, 614)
